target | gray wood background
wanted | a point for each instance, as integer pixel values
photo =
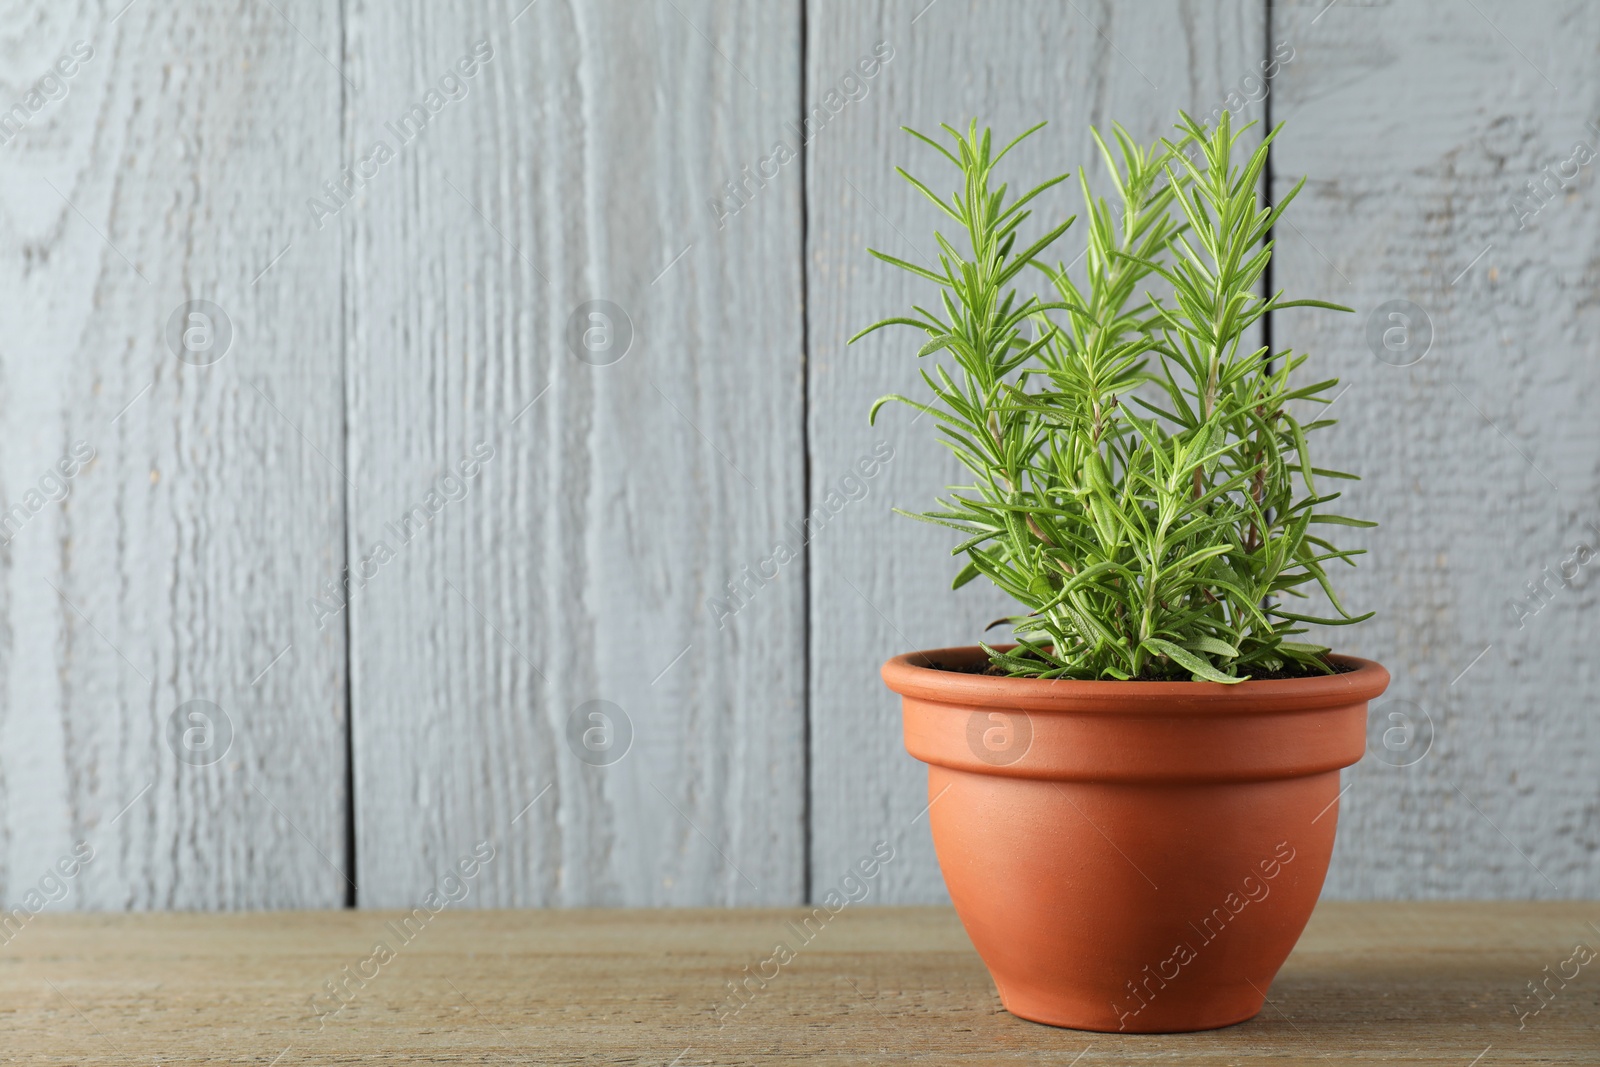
(578, 622)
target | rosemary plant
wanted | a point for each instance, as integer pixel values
(1140, 484)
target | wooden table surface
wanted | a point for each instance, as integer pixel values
(1369, 983)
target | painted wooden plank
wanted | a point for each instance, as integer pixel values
(154, 157)
(880, 582)
(574, 154)
(1470, 416)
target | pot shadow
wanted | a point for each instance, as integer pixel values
(1448, 1012)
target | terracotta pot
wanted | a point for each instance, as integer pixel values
(1133, 856)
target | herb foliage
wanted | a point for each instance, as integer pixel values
(1141, 485)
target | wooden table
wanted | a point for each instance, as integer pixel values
(1370, 983)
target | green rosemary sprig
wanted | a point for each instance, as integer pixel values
(1141, 485)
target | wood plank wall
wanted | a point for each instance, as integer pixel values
(578, 565)
(170, 167)
(882, 582)
(467, 509)
(1426, 128)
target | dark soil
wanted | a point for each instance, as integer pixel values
(981, 667)
(1293, 670)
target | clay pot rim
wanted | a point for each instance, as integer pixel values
(908, 676)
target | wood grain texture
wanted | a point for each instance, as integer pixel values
(631, 537)
(880, 582)
(582, 562)
(1435, 984)
(166, 167)
(1421, 125)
